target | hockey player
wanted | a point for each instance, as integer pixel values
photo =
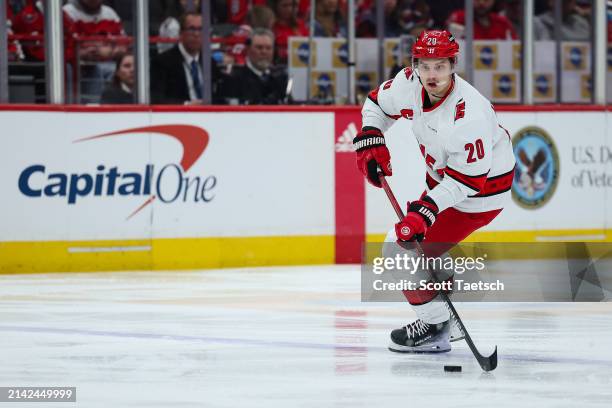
(469, 162)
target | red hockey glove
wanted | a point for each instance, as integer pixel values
(420, 216)
(372, 153)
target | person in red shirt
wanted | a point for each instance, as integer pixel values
(92, 18)
(304, 9)
(235, 46)
(14, 47)
(237, 10)
(94, 60)
(488, 25)
(329, 19)
(31, 21)
(287, 24)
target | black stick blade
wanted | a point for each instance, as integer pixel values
(488, 363)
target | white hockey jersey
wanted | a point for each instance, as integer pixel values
(468, 154)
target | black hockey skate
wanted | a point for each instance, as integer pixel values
(421, 337)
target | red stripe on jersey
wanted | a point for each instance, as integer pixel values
(373, 96)
(497, 184)
(431, 182)
(494, 185)
(476, 183)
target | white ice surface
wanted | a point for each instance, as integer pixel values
(283, 337)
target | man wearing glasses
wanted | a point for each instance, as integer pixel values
(176, 75)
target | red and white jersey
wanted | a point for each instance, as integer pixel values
(105, 22)
(31, 20)
(468, 155)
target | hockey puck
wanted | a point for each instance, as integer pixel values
(452, 369)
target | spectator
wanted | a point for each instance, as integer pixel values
(31, 21)
(92, 18)
(304, 9)
(366, 19)
(401, 17)
(540, 6)
(257, 82)
(488, 25)
(585, 9)
(15, 52)
(328, 19)
(441, 10)
(176, 75)
(170, 27)
(261, 17)
(94, 57)
(120, 89)
(512, 10)
(415, 16)
(287, 24)
(574, 27)
(234, 46)
(15, 5)
(233, 11)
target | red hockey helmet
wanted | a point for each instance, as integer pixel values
(435, 44)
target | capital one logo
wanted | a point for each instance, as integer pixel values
(170, 183)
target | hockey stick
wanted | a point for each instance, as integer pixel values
(486, 363)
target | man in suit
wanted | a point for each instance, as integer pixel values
(176, 75)
(257, 82)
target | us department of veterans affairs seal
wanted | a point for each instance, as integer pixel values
(537, 168)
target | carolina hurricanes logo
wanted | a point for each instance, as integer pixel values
(193, 139)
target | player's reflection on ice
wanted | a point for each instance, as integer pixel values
(351, 330)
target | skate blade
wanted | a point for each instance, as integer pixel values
(458, 338)
(438, 348)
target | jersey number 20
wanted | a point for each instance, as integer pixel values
(472, 148)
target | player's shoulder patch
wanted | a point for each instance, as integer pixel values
(459, 110)
(408, 73)
(373, 95)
